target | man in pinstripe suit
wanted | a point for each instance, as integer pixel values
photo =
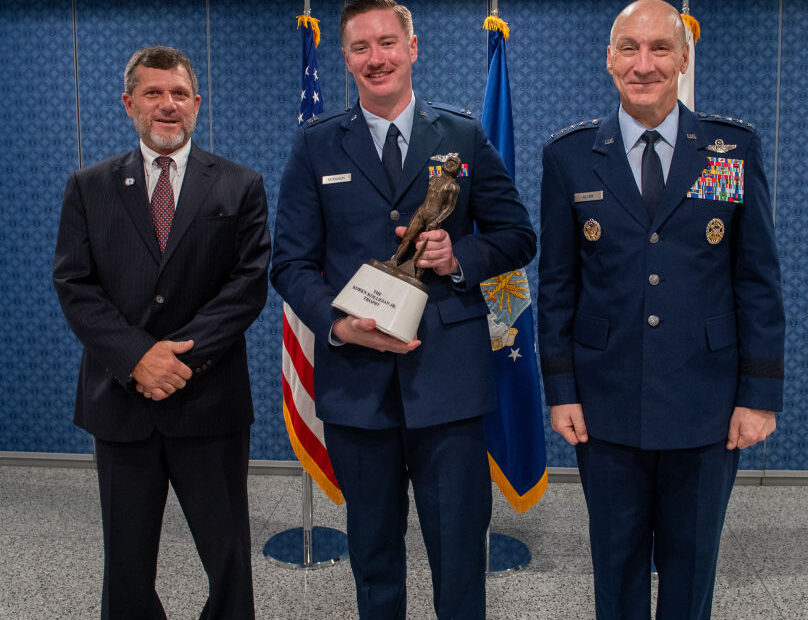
(160, 298)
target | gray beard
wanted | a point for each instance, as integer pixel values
(168, 143)
(162, 142)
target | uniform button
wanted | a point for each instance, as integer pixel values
(159, 299)
(653, 279)
(654, 238)
(653, 320)
(394, 215)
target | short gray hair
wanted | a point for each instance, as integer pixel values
(157, 57)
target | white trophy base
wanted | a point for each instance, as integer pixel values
(395, 304)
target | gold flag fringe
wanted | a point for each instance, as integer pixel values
(309, 464)
(693, 24)
(520, 503)
(306, 20)
(492, 22)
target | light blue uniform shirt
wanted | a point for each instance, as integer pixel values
(631, 130)
(378, 128)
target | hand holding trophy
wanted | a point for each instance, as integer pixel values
(391, 292)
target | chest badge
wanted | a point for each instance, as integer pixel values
(715, 231)
(592, 230)
(721, 147)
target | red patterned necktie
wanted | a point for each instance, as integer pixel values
(162, 202)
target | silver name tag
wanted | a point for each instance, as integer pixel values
(587, 196)
(337, 178)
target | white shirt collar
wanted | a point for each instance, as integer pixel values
(180, 156)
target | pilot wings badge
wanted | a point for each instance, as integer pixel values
(443, 158)
(720, 147)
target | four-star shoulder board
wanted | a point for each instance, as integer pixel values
(573, 128)
(725, 119)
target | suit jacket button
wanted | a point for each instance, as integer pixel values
(653, 320)
(394, 215)
(654, 238)
(653, 279)
(159, 299)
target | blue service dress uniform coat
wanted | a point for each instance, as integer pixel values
(659, 328)
(336, 211)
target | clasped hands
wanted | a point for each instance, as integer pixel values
(159, 373)
(746, 426)
(438, 256)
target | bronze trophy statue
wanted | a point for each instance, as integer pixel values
(391, 292)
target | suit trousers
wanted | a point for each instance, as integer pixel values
(448, 467)
(673, 501)
(209, 477)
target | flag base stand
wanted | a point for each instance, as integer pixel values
(505, 554)
(307, 547)
(329, 546)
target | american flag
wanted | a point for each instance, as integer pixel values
(311, 101)
(304, 428)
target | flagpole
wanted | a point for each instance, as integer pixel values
(503, 554)
(285, 548)
(347, 89)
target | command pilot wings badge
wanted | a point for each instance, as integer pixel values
(720, 147)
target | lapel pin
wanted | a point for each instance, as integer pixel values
(608, 141)
(691, 136)
(129, 181)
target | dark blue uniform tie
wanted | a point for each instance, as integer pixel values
(653, 183)
(391, 157)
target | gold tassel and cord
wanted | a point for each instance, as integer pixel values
(492, 22)
(306, 20)
(693, 24)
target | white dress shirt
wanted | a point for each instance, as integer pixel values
(176, 172)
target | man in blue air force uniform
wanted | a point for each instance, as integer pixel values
(397, 411)
(661, 319)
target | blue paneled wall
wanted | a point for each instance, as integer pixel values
(62, 78)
